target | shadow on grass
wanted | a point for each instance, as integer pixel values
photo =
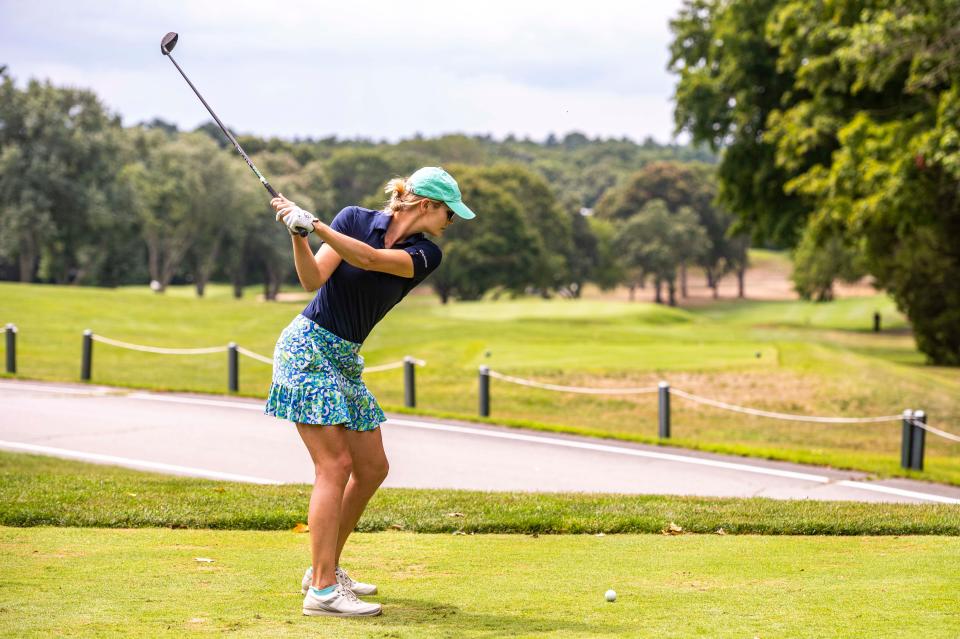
(419, 613)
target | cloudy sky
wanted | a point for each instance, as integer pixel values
(363, 68)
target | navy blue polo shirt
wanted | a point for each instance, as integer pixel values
(353, 300)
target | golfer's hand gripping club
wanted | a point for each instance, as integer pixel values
(298, 221)
(167, 44)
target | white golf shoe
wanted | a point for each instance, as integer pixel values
(358, 587)
(339, 603)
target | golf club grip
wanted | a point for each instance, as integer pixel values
(272, 190)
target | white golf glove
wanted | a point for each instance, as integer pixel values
(297, 220)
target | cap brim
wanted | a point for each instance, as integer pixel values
(461, 209)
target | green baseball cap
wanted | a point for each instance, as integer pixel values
(436, 184)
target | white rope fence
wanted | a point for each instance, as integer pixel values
(256, 356)
(391, 366)
(911, 420)
(571, 389)
(935, 431)
(552, 387)
(784, 416)
(222, 349)
(157, 349)
(703, 400)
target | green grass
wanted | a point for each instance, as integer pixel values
(796, 357)
(39, 491)
(107, 583)
(852, 314)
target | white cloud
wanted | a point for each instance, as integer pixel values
(368, 68)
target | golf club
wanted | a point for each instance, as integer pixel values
(166, 46)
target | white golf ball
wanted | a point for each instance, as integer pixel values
(611, 595)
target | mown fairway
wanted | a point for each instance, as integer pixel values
(146, 581)
(86, 582)
(816, 359)
(138, 573)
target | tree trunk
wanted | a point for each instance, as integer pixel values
(271, 282)
(62, 276)
(672, 292)
(238, 281)
(270, 288)
(205, 264)
(27, 258)
(167, 269)
(683, 281)
(658, 283)
(741, 275)
(633, 292)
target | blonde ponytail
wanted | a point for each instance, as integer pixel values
(401, 197)
(396, 186)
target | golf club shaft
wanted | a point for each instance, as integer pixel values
(236, 144)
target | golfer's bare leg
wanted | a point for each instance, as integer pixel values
(331, 463)
(370, 468)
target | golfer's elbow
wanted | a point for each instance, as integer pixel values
(366, 260)
(311, 284)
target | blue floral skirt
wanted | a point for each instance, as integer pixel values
(316, 380)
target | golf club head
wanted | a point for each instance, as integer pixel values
(168, 43)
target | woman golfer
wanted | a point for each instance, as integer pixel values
(369, 261)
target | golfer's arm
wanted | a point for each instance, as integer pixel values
(361, 255)
(313, 270)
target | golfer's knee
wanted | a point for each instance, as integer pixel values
(336, 468)
(372, 473)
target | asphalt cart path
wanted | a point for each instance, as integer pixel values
(230, 439)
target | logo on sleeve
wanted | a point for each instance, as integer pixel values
(424, 256)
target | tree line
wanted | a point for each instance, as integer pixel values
(839, 125)
(85, 200)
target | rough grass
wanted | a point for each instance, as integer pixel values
(108, 583)
(44, 491)
(795, 357)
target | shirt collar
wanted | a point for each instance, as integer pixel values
(381, 222)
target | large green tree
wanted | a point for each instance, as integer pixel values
(818, 262)
(495, 250)
(545, 217)
(854, 123)
(884, 87)
(60, 151)
(185, 191)
(678, 186)
(655, 242)
(729, 83)
(357, 174)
